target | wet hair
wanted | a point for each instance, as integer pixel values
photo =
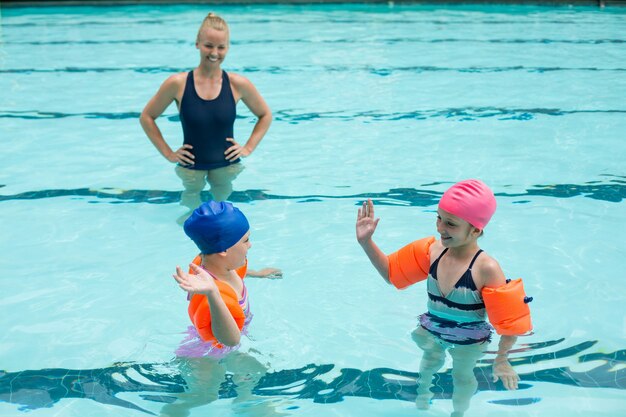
(213, 21)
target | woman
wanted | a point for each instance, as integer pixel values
(206, 98)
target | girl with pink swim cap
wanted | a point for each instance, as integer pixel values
(455, 321)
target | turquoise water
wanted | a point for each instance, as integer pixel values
(392, 103)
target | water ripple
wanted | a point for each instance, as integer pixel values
(381, 71)
(164, 383)
(312, 20)
(293, 117)
(613, 190)
(336, 41)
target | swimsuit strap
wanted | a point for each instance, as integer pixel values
(440, 255)
(435, 265)
(244, 292)
(433, 268)
(244, 295)
(208, 272)
(474, 259)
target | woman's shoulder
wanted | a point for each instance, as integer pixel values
(177, 79)
(173, 85)
(241, 86)
(238, 80)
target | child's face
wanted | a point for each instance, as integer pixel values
(455, 231)
(238, 252)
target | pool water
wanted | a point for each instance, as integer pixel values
(389, 103)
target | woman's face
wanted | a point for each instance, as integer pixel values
(213, 46)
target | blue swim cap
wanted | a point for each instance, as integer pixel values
(215, 227)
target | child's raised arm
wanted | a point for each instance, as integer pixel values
(365, 228)
(223, 324)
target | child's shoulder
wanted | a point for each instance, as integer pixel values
(487, 271)
(435, 248)
(486, 259)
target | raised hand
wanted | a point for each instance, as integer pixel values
(365, 222)
(200, 282)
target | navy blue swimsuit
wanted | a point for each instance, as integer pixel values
(207, 124)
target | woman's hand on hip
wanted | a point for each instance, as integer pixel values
(236, 151)
(182, 155)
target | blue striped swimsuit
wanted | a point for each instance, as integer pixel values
(459, 317)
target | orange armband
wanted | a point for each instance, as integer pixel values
(507, 308)
(200, 312)
(411, 263)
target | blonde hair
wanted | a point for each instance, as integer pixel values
(213, 21)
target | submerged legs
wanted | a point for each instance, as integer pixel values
(194, 180)
(464, 358)
(433, 359)
(221, 180)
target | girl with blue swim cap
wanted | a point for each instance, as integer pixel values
(218, 298)
(219, 309)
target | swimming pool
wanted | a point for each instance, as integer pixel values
(392, 103)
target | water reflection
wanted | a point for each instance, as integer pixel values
(181, 385)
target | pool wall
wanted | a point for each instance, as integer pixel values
(599, 3)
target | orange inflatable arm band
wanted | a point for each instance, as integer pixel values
(507, 308)
(411, 263)
(200, 313)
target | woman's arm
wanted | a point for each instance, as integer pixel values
(247, 92)
(156, 106)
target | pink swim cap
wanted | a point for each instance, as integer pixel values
(470, 200)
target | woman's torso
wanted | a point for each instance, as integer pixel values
(207, 121)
